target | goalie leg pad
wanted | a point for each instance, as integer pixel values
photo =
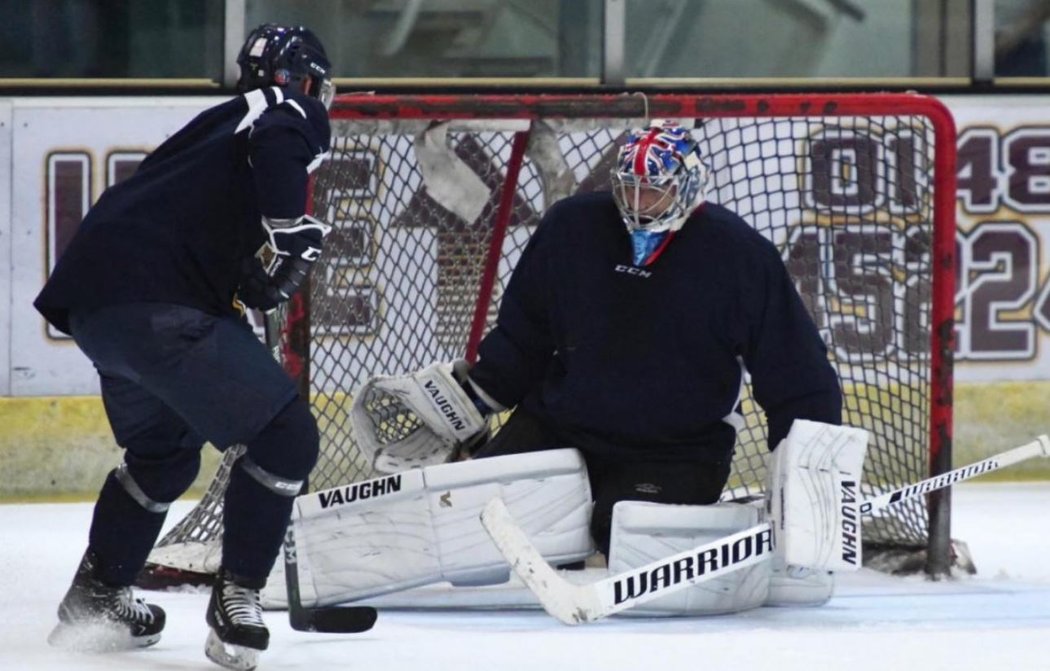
(422, 526)
(643, 532)
(815, 475)
(798, 587)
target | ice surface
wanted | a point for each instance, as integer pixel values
(999, 619)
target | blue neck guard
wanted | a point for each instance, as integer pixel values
(644, 243)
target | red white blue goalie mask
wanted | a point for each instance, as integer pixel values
(659, 178)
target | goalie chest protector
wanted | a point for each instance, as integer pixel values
(649, 358)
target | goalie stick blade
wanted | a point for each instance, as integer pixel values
(334, 620)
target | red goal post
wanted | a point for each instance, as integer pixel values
(433, 196)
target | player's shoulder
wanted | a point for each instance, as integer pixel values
(286, 106)
(582, 207)
(306, 106)
(737, 239)
(722, 218)
(583, 215)
(722, 222)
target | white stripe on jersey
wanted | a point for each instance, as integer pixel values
(314, 164)
(257, 104)
(297, 106)
(734, 418)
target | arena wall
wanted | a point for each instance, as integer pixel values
(58, 154)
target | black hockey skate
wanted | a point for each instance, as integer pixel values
(96, 617)
(238, 632)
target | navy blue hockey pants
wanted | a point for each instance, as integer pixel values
(173, 377)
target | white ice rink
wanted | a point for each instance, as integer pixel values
(999, 619)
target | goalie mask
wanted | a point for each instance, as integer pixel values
(275, 55)
(659, 178)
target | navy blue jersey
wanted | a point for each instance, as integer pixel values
(627, 360)
(177, 229)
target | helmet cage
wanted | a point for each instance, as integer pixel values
(646, 202)
(659, 179)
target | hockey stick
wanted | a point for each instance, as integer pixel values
(327, 620)
(575, 604)
(1040, 447)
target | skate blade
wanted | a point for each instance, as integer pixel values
(97, 637)
(235, 657)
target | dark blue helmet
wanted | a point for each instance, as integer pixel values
(276, 55)
(256, 57)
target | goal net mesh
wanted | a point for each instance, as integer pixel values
(429, 222)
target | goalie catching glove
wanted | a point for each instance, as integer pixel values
(417, 419)
(282, 264)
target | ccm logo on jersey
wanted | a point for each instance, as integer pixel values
(362, 490)
(632, 270)
(850, 515)
(442, 403)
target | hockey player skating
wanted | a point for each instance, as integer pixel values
(152, 289)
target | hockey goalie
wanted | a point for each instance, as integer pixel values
(625, 332)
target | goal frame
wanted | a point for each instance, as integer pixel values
(530, 107)
(367, 109)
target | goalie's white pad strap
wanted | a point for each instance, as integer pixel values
(814, 492)
(422, 526)
(643, 532)
(417, 419)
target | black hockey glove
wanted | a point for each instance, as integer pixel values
(255, 290)
(283, 263)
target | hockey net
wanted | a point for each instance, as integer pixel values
(433, 198)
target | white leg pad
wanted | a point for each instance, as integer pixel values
(814, 490)
(643, 532)
(421, 526)
(798, 588)
(814, 499)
